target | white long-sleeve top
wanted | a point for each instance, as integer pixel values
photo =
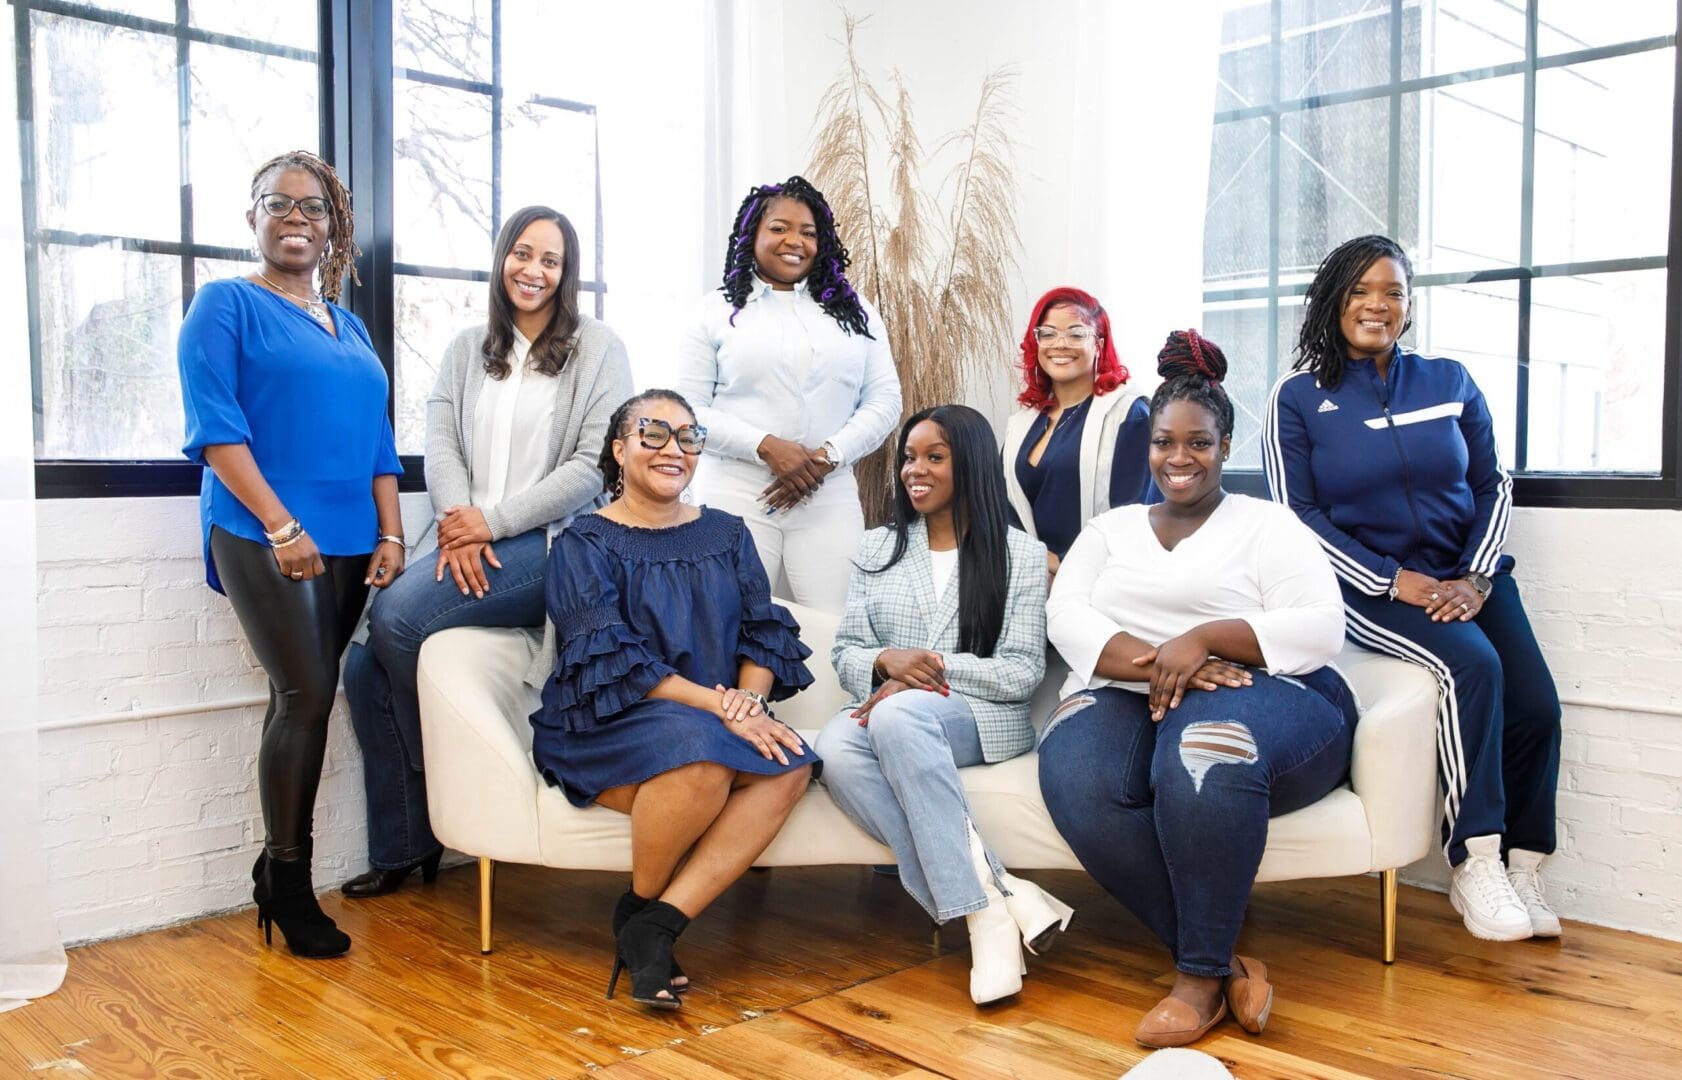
(511, 423)
(786, 368)
(1252, 560)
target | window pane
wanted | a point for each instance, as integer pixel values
(549, 157)
(1603, 158)
(441, 195)
(208, 270)
(1457, 35)
(109, 319)
(1235, 251)
(105, 116)
(227, 146)
(1240, 329)
(162, 10)
(1476, 324)
(1568, 25)
(1467, 175)
(444, 37)
(1332, 45)
(429, 313)
(1334, 178)
(1597, 372)
(282, 22)
(1246, 62)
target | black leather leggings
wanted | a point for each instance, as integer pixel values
(298, 630)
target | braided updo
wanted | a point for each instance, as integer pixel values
(1192, 368)
(609, 465)
(341, 253)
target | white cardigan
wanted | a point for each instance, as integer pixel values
(1097, 454)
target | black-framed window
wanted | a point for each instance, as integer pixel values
(1525, 153)
(139, 122)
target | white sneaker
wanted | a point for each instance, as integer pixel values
(1483, 896)
(1524, 870)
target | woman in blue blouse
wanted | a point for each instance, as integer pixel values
(286, 406)
(1080, 443)
(668, 649)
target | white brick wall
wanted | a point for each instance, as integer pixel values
(153, 821)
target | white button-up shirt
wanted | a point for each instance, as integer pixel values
(511, 425)
(786, 368)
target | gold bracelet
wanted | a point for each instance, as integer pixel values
(289, 541)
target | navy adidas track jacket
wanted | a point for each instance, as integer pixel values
(1391, 473)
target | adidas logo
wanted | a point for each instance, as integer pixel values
(1327, 406)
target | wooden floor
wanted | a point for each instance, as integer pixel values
(823, 974)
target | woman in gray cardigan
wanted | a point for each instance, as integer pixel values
(513, 427)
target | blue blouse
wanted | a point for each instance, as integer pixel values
(1053, 486)
(257, 369)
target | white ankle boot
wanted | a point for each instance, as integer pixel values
(1524, 870)
(995, 948)
(1037, 913)
(1484, 897)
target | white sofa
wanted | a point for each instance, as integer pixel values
(487, 799)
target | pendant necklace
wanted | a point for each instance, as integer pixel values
(316, 308)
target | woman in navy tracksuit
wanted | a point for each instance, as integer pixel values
(1390, 458)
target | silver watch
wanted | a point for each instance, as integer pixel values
(832, 455)
(1481, 583)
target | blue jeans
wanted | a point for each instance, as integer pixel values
(380, 682)
(897, 779)
(1497, 713)
(1171, 818)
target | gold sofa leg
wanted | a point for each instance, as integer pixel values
(1387, 907)
(487, 874)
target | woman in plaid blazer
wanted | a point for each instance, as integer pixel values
(940, 647)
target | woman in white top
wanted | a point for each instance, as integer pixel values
(513, 428)
(1198, 633)
(790, 371)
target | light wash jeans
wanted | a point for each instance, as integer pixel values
(897, 779)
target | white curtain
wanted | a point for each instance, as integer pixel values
(31, 958)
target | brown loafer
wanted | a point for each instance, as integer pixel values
(1249, 994)
(1175, 1023)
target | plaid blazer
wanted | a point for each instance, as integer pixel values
(897, 609)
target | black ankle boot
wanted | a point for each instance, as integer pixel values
(284, 895)
(378, 882)
(645, 946)
(629, 905)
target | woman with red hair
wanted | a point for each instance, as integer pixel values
(1080, 444)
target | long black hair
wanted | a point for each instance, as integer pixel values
(979, 516)
(549, 352)
(1320, 347)
(1192, 369)
(827, 281)
(608, 464)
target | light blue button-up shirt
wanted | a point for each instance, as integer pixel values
(786, 368)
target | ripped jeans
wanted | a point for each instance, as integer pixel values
(1171, 818)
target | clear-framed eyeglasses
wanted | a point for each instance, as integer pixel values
(277, 205)
(1074, 335)
(655, 434)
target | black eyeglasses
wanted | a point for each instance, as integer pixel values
(275, 204)
(654, 434)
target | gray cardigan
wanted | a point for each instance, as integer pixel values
(595, 380)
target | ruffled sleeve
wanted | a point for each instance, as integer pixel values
(602, 665)
(769, 635)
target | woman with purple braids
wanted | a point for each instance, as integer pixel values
(789, 370)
